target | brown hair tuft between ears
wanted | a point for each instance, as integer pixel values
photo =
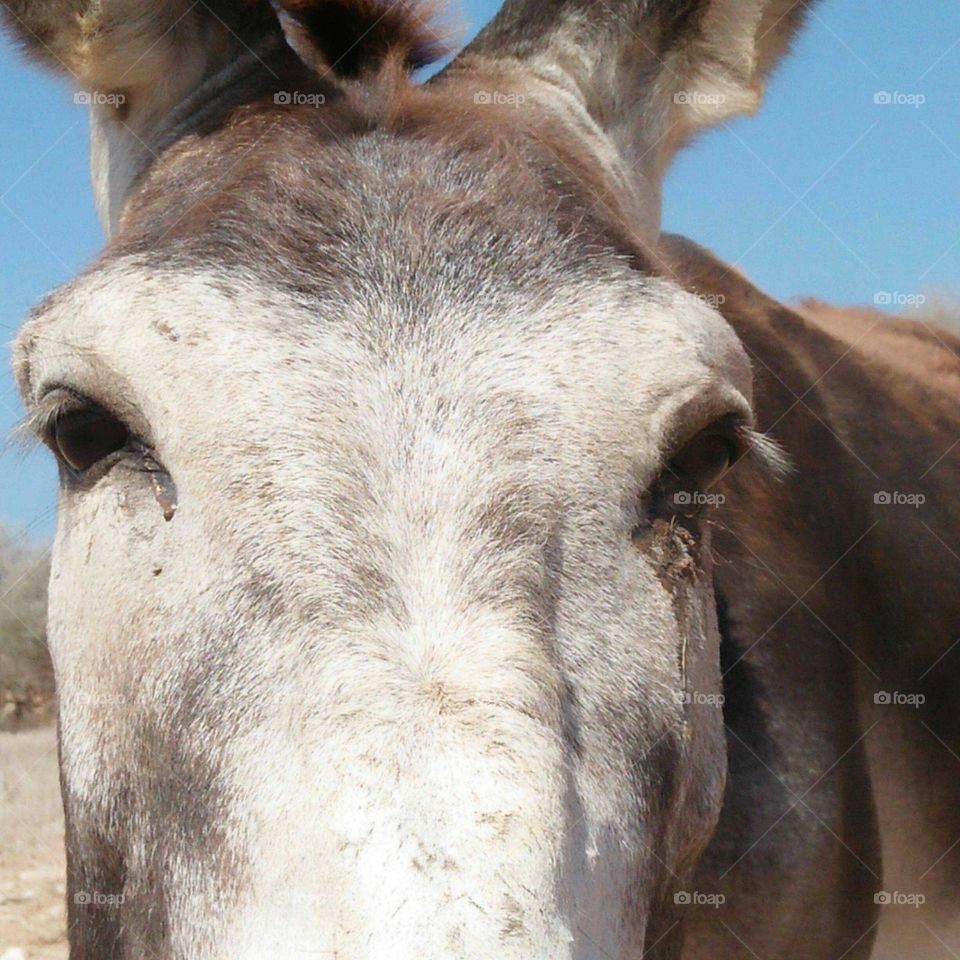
(353, 37)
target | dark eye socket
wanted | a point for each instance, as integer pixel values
(83, 438)
(682, 489)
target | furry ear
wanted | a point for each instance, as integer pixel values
(349, 38)
(125, 44)
(648, 73)
(133, 62)
(140, 63)
(113, 44)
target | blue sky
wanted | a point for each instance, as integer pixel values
(826, 193)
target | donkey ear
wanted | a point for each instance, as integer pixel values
(347, 39)
(133, 61)
(129, 45)
(650, 72)
(140, 64)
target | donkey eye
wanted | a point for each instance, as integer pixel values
(682, 489)
(704, 460)
(83, 438)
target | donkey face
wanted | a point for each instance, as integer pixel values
(378, 604)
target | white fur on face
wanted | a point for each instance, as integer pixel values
(395, 682)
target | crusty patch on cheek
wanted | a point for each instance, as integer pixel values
(675, 555)
(673, 551)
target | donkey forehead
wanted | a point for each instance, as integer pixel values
(580, 357)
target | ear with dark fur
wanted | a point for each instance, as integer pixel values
(650, 73)
(121, 44)
(134, 62)
(350, 38)
(140, 64)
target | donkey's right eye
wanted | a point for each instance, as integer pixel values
(83, 438)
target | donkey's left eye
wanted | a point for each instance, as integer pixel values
(682, 489)
(703, 460)
(83, 438)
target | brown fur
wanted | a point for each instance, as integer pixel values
(528, 152)
(876, 411)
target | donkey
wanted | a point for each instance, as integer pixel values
(448, 564)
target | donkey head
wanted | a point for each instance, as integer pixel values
(381, 586)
